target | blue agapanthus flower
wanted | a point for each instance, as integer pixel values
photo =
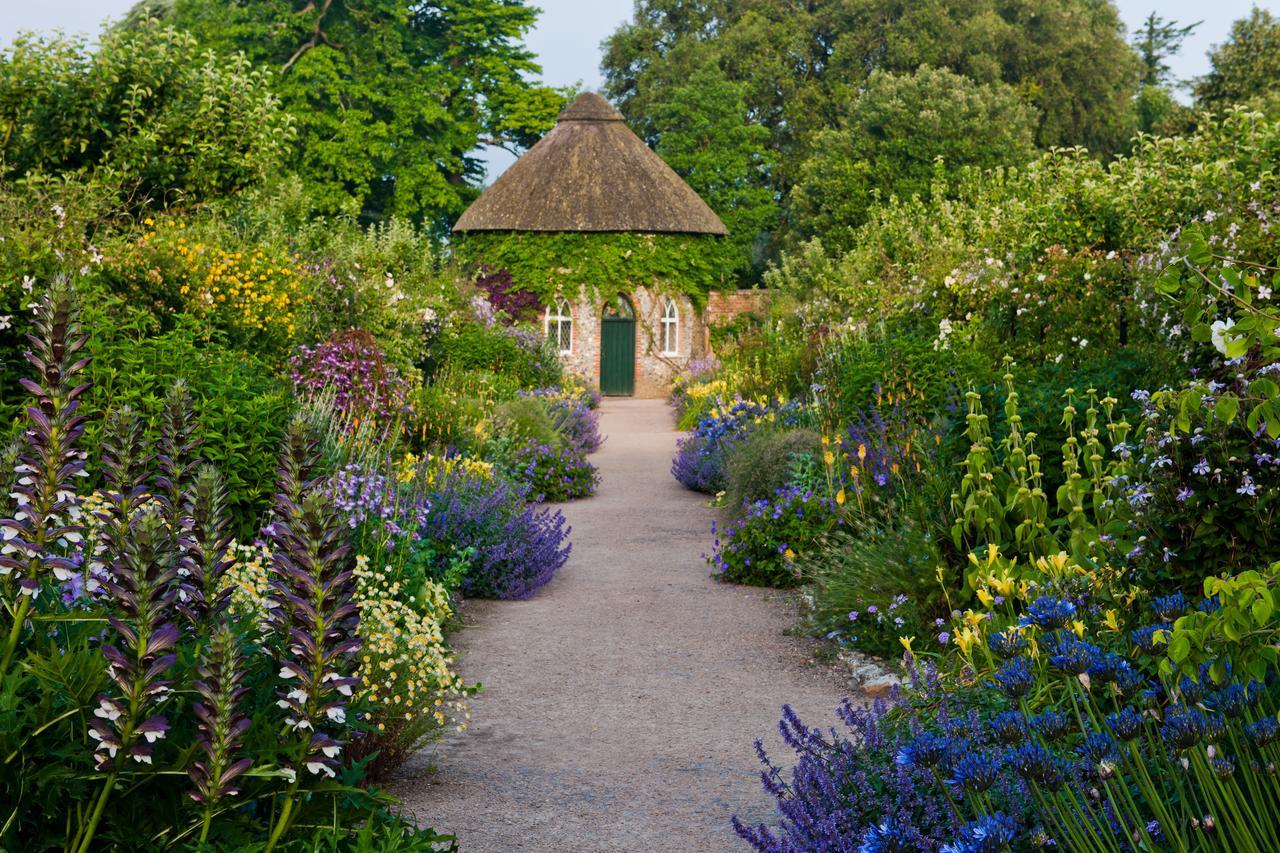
(1036, 765)
(924, 752)
(1049, 613)
(1071, 655)
(1145, 637)
(1264, 732)
(1182, 727)
(988, 834)
(1015, 679)
(1010, 728)
(1126, 724)
(1008, 643)
(974, 772)
(886, 837)
(1170, 607)
(1051, 724)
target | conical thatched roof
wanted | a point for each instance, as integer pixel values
(591, 173)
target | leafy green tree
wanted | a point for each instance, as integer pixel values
(801, 64)
(711, 142)
(900, 135)
(392, 98)
(1245, 66)
(150, 113)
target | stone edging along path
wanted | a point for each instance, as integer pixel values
(620, 705)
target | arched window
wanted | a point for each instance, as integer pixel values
(670, 328)
(559, 326)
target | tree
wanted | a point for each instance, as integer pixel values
(1245, 66)
(900, 134)
(711, 143)
(159, 118)
(1157, 41)
(801, 63)
(392, 98)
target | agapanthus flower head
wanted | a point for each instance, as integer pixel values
(1223, 767)
(926, 751)
(974, 772)
(1096, 748)
(1126, 723)
(1010, 728)
(1007, 643)
(886, 837)
(993, 833)
(1145, 638)
(1036, 765)
(1049, 613)
(1072, 655)
(1190, 690)
(1170, 607)
(1264, 732)
(1182, 727)
(1051, 724)
(1015, 679)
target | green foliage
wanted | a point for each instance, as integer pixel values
(1245, 66)
(241, 405)
(525, 419)
(711, 142)
(391, 99)
(605, 265)
(525, 357)
(1239, 634)
(764, 462)
(887, 567)
(1156, 41)
(799, 65)
(149, 112)
(761, 548)
(898, 136)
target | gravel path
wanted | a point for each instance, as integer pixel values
(620, 704)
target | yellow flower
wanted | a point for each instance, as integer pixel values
(906, 644)
(986, 598)
(840, 497)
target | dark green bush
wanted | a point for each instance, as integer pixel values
(525, 419)
(518, 353)
(764, 462)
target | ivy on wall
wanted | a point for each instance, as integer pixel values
(562, 264)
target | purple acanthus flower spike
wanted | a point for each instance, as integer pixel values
(312, 610)
(44, 524)
(208, 547)
(220, 727)
(142, 587)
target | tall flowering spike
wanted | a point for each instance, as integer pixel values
(142, 589)
(220, 727)
(125, 461)
(313, 613)
(175, 455)
(298, 459)
(45, 513)
(208, 544)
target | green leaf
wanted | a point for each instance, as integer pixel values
(1226, 408)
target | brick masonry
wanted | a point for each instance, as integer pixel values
(655, 369)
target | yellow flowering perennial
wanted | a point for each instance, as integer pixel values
(254, 291)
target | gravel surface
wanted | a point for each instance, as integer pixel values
(620, 704)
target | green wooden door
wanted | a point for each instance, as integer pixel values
(618, 349)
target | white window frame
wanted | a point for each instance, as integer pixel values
(561, 317)
(670, 328)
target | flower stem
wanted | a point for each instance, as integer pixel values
(99, 807)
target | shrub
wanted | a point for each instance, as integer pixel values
(525, 419)
(762, 546)
(552, 474)
(573, 411)
(701, 457)
(520, 353)
(511, 303)
(764, 462)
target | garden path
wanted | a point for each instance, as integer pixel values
(621, 703)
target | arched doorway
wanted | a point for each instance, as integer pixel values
(618, 349)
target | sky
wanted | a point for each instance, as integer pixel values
(569, 32)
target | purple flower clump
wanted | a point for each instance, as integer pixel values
(515, 547)
(354, 367)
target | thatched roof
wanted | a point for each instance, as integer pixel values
(591, 173)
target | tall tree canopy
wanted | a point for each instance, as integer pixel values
(1246, 65)
(714, 146)
(897, 137)
(391, 98)
(801, 65)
